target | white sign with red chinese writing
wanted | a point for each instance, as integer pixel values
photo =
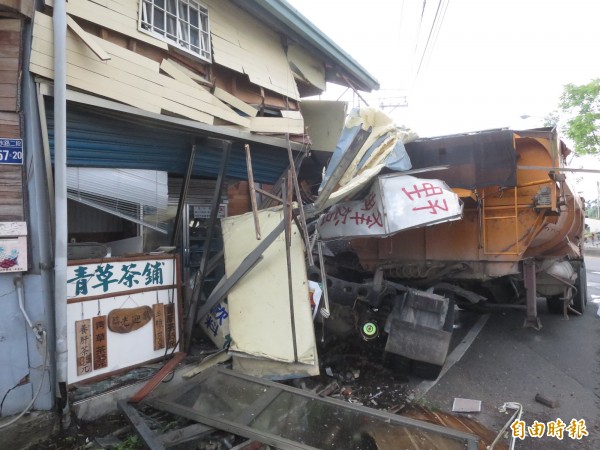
(396, 202)
(120, 291)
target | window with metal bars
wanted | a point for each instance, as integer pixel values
(182, 23)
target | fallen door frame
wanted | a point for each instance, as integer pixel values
(272, 390)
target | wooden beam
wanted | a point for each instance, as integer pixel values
(157, 378)
(140, 426)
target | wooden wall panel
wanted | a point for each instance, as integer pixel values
(127, 77)
(25, 7)
(244, 44)
(123, 20)
(10, 52)
(11, 176)
(11, 193)
(10, 126)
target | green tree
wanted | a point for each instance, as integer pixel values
(580, 109)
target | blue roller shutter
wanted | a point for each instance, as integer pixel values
(96, 138)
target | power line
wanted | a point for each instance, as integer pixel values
(418, 35)
(437, 11)
(437, 31)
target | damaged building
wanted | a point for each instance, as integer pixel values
(128, 129)
(164, 180)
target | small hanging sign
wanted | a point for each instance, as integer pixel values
(126, 320)
(100, 343)
(170, 330)
(83, 346)
(159, 325)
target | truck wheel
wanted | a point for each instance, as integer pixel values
(554, 305)
(580, 298)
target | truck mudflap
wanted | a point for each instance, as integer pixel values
(420, 327)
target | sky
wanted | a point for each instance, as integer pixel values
(466, 65)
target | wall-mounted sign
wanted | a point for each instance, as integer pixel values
(110, 313)
(13, 247)
(100, 345)
(158, 310)
(119, 276)
(11, 151)
(83, 347)
(396, 202)
(203, 212)
(170, 325)
(126, 320)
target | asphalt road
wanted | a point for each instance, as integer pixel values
(509, 363)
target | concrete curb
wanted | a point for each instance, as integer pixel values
(591, 251)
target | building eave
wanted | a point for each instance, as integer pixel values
(289, 21)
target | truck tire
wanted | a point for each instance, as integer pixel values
(580, 298)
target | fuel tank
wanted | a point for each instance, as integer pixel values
(517, 205)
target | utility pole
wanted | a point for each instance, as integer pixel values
(598, 200)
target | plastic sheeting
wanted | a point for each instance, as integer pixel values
(384, 148)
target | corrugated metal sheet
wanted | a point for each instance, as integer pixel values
(98, 140)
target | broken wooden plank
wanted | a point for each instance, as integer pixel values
(140, 426)
(211, 360)
(276, 125)
(235, 102)
(91, 82)
(189, 72)
(157, 378)
(113, 20)
(87, 39)
(172, 70)
(43, 28)
(130, 73)
(289, 114)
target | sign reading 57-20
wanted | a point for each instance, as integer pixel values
(11, 151)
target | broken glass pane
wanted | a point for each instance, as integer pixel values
(330, 426)
(221, 397)
(291, 418)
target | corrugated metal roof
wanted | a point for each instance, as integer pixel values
(97, 140)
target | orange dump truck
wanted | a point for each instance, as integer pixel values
(520, 237)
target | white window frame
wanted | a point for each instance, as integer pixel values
(178, 27)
